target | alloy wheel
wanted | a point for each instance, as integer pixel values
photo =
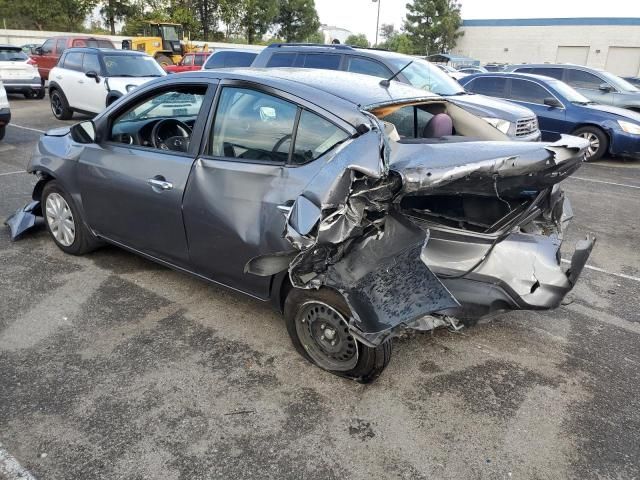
(56, 105)
(60, 219)
(594, 143)
(325, 335)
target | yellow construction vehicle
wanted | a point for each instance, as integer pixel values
(163, 42)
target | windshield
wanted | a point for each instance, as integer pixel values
(618, 82)
(131, 66)
(169, 32)
(568, 92)
(426, 76)
(12, 55)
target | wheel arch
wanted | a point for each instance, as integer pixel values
(112, 96)
(605, 130)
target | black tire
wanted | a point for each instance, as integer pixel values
(371, 361)
(83, 240)
(3, 130)
(41, 93)
(163, 60)
(592, 133)
(60, 106)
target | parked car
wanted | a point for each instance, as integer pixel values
(563, 110)
(595, 84)
(496, 67)
(5, 111)
(449, 70)
(472, 70)
(343, 200)
(635, 81)
(19, 73)
(87, 80)
(29, 47)
(229, 58)
(190, 62)
(47, 55)
(517, 122)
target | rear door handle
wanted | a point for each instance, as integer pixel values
(157, 184)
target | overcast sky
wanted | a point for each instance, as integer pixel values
(359, 16)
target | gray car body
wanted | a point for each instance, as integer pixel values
(480, 105)
(335, 222)
(614, 97)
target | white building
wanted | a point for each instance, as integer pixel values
(332, 33)
(609, 43)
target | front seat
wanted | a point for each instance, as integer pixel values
(440, 125)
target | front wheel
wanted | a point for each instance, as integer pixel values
(317, 322)
(598, 142)
(164, 61)
(64, 222)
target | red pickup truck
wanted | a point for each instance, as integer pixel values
(190, 62)
(48, 54)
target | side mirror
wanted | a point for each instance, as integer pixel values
(126, 44)
(605, 87)
(94, 75)
(37, 50)
(552, 102)
(84, 132)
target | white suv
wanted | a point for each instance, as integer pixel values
(87, 80)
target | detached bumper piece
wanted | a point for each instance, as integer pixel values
(579, 258)
(23, 219)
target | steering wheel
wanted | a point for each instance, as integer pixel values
(178, 143)
(280, 142)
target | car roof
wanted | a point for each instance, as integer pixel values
(360, 90)
(555, 65)
(338, 48)
(243, 50)
(4, 45)
(525, 76)
(110, 51)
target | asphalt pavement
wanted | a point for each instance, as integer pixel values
(114, 367)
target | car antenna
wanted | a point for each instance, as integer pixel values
(387, 81)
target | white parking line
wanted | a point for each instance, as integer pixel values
(11, 469)
(26, 128)
(607, 183)
(602, 270)
(12, 173)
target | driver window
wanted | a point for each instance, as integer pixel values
(164, 121)
(252, 125)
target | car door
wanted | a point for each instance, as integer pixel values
(186, 63)
(530, 94)
(132, 190)
(249, 171)
(69, 77)
(93, 91)
(48, 58)
(590, 86)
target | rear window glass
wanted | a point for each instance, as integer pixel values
(282, 60)
(11, 55)
(93, 43)
(230, 59)
(368, 67)
(73, 61)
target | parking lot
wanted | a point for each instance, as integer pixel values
(114, 367)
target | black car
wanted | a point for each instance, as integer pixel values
(517, 122)
(358, 208)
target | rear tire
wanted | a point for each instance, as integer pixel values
(3, 129)
(64, 221)
(60, 106)
(598, 140)
(317, 324)
(163, 60)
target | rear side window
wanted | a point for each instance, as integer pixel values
(282, 60)
(491, 86)
(319, 60)
(582, 79)
(90, 63)
(73, 61)
(47, 47)
(252, 125)
(525, 91)
(61, 45)
(315, 136)
(230, 59)
(187, 61)
(548, 72)
(367, 67)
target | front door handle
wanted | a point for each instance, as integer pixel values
(158, 184)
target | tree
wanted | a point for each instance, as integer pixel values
(433, 25)
(297, 20)
(315, 37)
(65, 15)
(257, 17)
(359, 40)
(118, 10)
(399, 42)
(230, 16)
(387, 30)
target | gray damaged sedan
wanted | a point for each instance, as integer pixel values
(357, 207)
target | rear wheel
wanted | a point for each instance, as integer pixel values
(163, 60)
(60, 106)
(64, 222)
(598, 142)
(317, 322)
(3, 129)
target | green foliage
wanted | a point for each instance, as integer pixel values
(399, 42)
(118, 10)
(257, 17)
(387, 30)
(359, 40)
(46, 15)
(297, 20)
(433, 25)
(315, 37)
